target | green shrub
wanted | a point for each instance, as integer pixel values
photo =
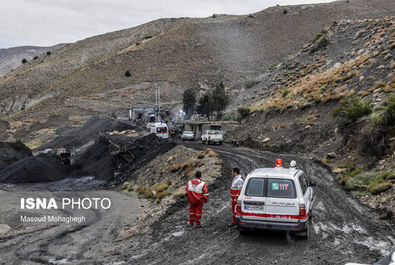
(24, 61)
(147, 37)
(350, 110)
(49, 53)
(360, 181)
(127, 73)
(374, 182)
(227, 117)
(18, 140)
(319, 43)
(377, 188)
(388, 175)
(130, 187)
(244, 112)
(148, 193)
(285, 93)
(386, 115)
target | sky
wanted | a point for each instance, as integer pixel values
(49, 22)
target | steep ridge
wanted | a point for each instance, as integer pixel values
(88, 77)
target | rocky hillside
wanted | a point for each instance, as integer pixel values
(333, 101)
(89, 76)
(292, 104)
(11, 58)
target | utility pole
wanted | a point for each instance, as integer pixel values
(157, 102)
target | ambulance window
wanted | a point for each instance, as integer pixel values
(255, 187)
(303, 183)
(281, 188)
(161, 129)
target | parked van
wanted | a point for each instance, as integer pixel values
(160, 129)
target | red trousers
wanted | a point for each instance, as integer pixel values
(235, 195)
(234, 202)
(195, 213)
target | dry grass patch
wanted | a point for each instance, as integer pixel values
(200, 163)
(212, 154)
(315, 86)
(219, 162)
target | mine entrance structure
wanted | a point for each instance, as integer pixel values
(142, 114)
(63, 155)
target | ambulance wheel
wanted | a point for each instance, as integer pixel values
(305, 234)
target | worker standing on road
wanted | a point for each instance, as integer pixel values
(197, 193)
(237, 185)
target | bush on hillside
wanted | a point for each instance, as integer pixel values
(244, 112)
(350, 110)
(385, 116)
(320, 41)
(24, 60)
(127, 73)
(49, 53)
(374, 182)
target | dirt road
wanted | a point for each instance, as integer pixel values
(59, 242)
(343, 229)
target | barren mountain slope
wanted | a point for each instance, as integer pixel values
(88, 76)
(292, 105)
(11, 58)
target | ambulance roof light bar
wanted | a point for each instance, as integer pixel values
(279, 163)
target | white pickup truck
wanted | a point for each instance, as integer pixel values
(212, 136)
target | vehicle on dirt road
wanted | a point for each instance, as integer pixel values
(160, 129)
(212, 136)
(188, 135)
(276, 199)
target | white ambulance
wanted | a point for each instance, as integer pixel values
(160, 129)
(276, 199)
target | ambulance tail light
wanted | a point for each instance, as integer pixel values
(238, 207)
(279, 163)
(302, 210)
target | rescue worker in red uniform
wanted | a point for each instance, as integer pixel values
(197, 193)
(237, 185)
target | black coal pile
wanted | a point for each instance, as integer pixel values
(70, 137)
(12, 152)
(143, 150)
(122, 155)
(97, 160)
(42, 168)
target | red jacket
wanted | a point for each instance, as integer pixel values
(196, 191)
